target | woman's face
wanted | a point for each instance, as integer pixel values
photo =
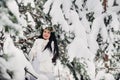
(46, 34)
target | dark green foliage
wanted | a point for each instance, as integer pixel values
(90, 16)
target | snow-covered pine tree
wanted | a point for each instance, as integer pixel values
(16, 21)
(87, 14)
(91, 25)
(105, 27)
(10, 22)
(68, 28)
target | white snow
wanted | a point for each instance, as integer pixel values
(17, 61)
(84, 45)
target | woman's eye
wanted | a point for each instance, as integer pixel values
(44, 31)
(48, 32)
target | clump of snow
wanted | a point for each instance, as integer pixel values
(59, 17)
(17, 63)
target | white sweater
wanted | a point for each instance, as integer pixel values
(41, 60)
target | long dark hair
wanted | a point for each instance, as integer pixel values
(55, 51)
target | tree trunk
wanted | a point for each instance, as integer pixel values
(105, 5)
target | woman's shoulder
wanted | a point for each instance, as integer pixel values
(41, 40)
(38, 40)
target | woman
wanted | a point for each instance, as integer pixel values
(44, 53)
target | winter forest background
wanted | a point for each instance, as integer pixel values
(88, 34)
